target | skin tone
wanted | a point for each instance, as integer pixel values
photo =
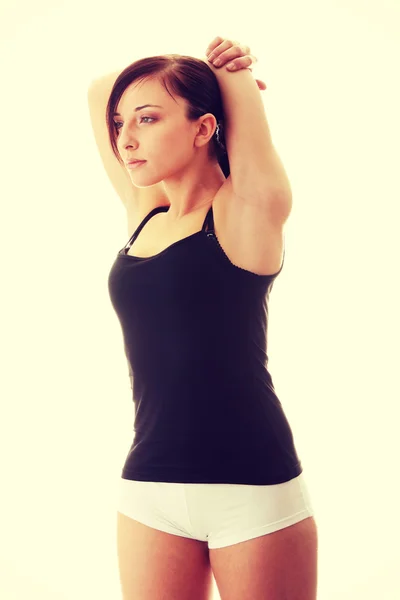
(176, 149)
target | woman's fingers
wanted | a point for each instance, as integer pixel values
(216, 42)
(239, 63)
(227, 50)
(226, 54)
(232, 54)
(261, 84)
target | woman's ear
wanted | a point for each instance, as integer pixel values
(207, 128)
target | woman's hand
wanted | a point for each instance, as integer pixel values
(232, 53)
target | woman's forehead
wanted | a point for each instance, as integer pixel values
(146, 92)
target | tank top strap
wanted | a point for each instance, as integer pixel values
(155, 210)
(209, 221)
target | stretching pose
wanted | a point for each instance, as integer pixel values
(212, 485)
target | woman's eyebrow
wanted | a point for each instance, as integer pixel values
(139, 108)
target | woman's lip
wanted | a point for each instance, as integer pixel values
(135, 164)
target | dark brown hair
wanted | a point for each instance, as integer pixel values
(187, 77)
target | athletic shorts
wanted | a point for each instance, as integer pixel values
(219, 514)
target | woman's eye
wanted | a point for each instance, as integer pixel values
(117, 123)
(147, 118)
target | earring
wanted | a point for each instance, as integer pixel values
(218, 136)
(217, 133)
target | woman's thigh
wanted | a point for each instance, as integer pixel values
(159, 565)
(277, 566)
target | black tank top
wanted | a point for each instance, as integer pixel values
(194, 330)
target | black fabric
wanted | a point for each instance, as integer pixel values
(195, 336)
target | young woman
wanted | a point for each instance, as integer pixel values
(212, 484)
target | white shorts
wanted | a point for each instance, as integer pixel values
(219, 514)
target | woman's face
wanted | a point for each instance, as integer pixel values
(161, 135)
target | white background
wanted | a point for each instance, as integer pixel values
(66, 420)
